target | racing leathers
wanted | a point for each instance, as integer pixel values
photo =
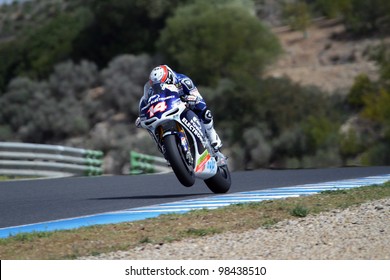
(190, 95)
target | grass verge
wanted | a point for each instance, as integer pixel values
(10, 178)
(95, 240)
(5, 178)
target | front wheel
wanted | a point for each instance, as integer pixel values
(183, 171)
(220, 182)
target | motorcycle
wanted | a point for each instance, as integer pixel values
(181, 137)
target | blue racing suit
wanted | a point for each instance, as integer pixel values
(186, 87)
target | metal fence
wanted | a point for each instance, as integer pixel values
(24, 159)
(142, 163)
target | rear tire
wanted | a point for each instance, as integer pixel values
(220, 182)
(183, 171)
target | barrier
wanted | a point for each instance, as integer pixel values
(142, 163)
(25, 159)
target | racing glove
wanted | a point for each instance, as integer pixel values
(191, 100)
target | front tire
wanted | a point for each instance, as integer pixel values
(220, 182)
(173, 152)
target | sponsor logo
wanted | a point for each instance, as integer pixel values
(153, 98)
(194, 127)
(201, 164)
(169, 87)
(188, 83)
(208, 115)
(196, 122)
(156, 98)
(166, 97)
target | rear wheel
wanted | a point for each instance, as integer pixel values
(173, 151)
(220, 182)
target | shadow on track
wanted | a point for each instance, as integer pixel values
(151, 196)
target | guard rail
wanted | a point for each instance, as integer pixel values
(25, 159)
(142, 163)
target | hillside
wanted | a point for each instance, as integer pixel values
(66, 78)
(327, 58)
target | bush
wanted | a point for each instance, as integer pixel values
(257, 149)
(361, 88)
(299, 211)
(298, 16)
(51, 43)
(320, 133)
(70, 79)
(363, 17)
(122, 26)
(378, 155)
(23, 98)
(331, 8)
(351, 145)
(5, 133)
(234, 44)
(274, 121)
(37, 115)
(34, 52)
(328, 157)
(124, 81)
(290, 143)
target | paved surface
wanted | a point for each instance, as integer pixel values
(26, 202)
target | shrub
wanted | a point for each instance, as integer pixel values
(299, 211)
(124, 81)
(209, 47)
(257, 149)
(361, 88)
(70, 79)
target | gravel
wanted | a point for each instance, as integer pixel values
(361, 232)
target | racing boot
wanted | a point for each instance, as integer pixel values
(210, 131)
(216, 144)
(214, 139)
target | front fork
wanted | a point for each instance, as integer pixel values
(162, 130)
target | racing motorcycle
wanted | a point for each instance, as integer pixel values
(181, 137)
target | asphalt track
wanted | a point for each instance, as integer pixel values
(33, 201)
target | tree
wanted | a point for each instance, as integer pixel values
(52, 43)
(211, 40)
(377, 108)
(93, 30)
(363, 17)
(374, 101)
(298, 16)
(331, 8)
(36, 51)
(361, 88)
(123, 26)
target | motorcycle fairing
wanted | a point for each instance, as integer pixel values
(206, 166)
(166, 114)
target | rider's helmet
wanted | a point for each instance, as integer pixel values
(162, 74)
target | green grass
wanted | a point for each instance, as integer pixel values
(199, 232)
(95, 240)
(8, 178)
(4, 178)
(299, 211)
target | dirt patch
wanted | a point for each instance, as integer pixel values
(325, 58)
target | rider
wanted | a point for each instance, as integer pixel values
(190, 95)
